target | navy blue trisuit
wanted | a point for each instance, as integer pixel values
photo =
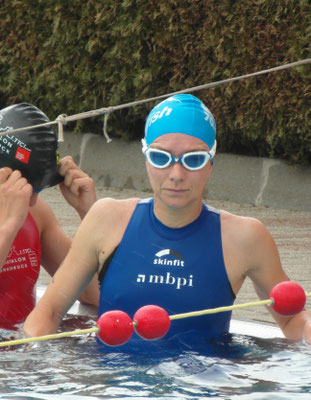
(181, 270)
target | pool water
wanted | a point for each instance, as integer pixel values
(233, 367)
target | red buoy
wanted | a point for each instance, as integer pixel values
(152, 322)
(289, 298)
(115, 328)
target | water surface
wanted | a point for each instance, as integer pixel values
(232, 367)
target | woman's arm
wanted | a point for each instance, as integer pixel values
(99, 233)
(70, 280)
(266, 271)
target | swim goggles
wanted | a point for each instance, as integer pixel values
(192, 161)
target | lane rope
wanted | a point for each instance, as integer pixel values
(63, 119)
(96, 329)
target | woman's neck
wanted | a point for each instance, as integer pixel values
(176, 217)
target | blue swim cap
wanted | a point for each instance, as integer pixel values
(182, 113)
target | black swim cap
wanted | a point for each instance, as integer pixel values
(33, 152)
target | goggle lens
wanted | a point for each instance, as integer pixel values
(195, 161)
(159, 159)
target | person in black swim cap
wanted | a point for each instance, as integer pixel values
(34, 152)
(31, 235)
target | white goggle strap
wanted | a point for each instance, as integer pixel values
(145, 147)
(212, 151)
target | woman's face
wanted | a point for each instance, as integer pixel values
(175, 185)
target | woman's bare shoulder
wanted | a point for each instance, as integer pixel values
(107, 221)
(110, 209)
(242, 229)
(109, 204)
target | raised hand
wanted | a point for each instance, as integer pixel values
(78, 188)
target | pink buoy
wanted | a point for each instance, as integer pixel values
(151, 322)
(289, 298)
(115, 328)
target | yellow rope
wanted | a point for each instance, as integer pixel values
(221, 309)
(48, 337)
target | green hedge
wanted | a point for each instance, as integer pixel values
(74, 56)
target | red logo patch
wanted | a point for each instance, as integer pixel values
(22, 155)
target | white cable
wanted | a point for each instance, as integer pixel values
(63, 119)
